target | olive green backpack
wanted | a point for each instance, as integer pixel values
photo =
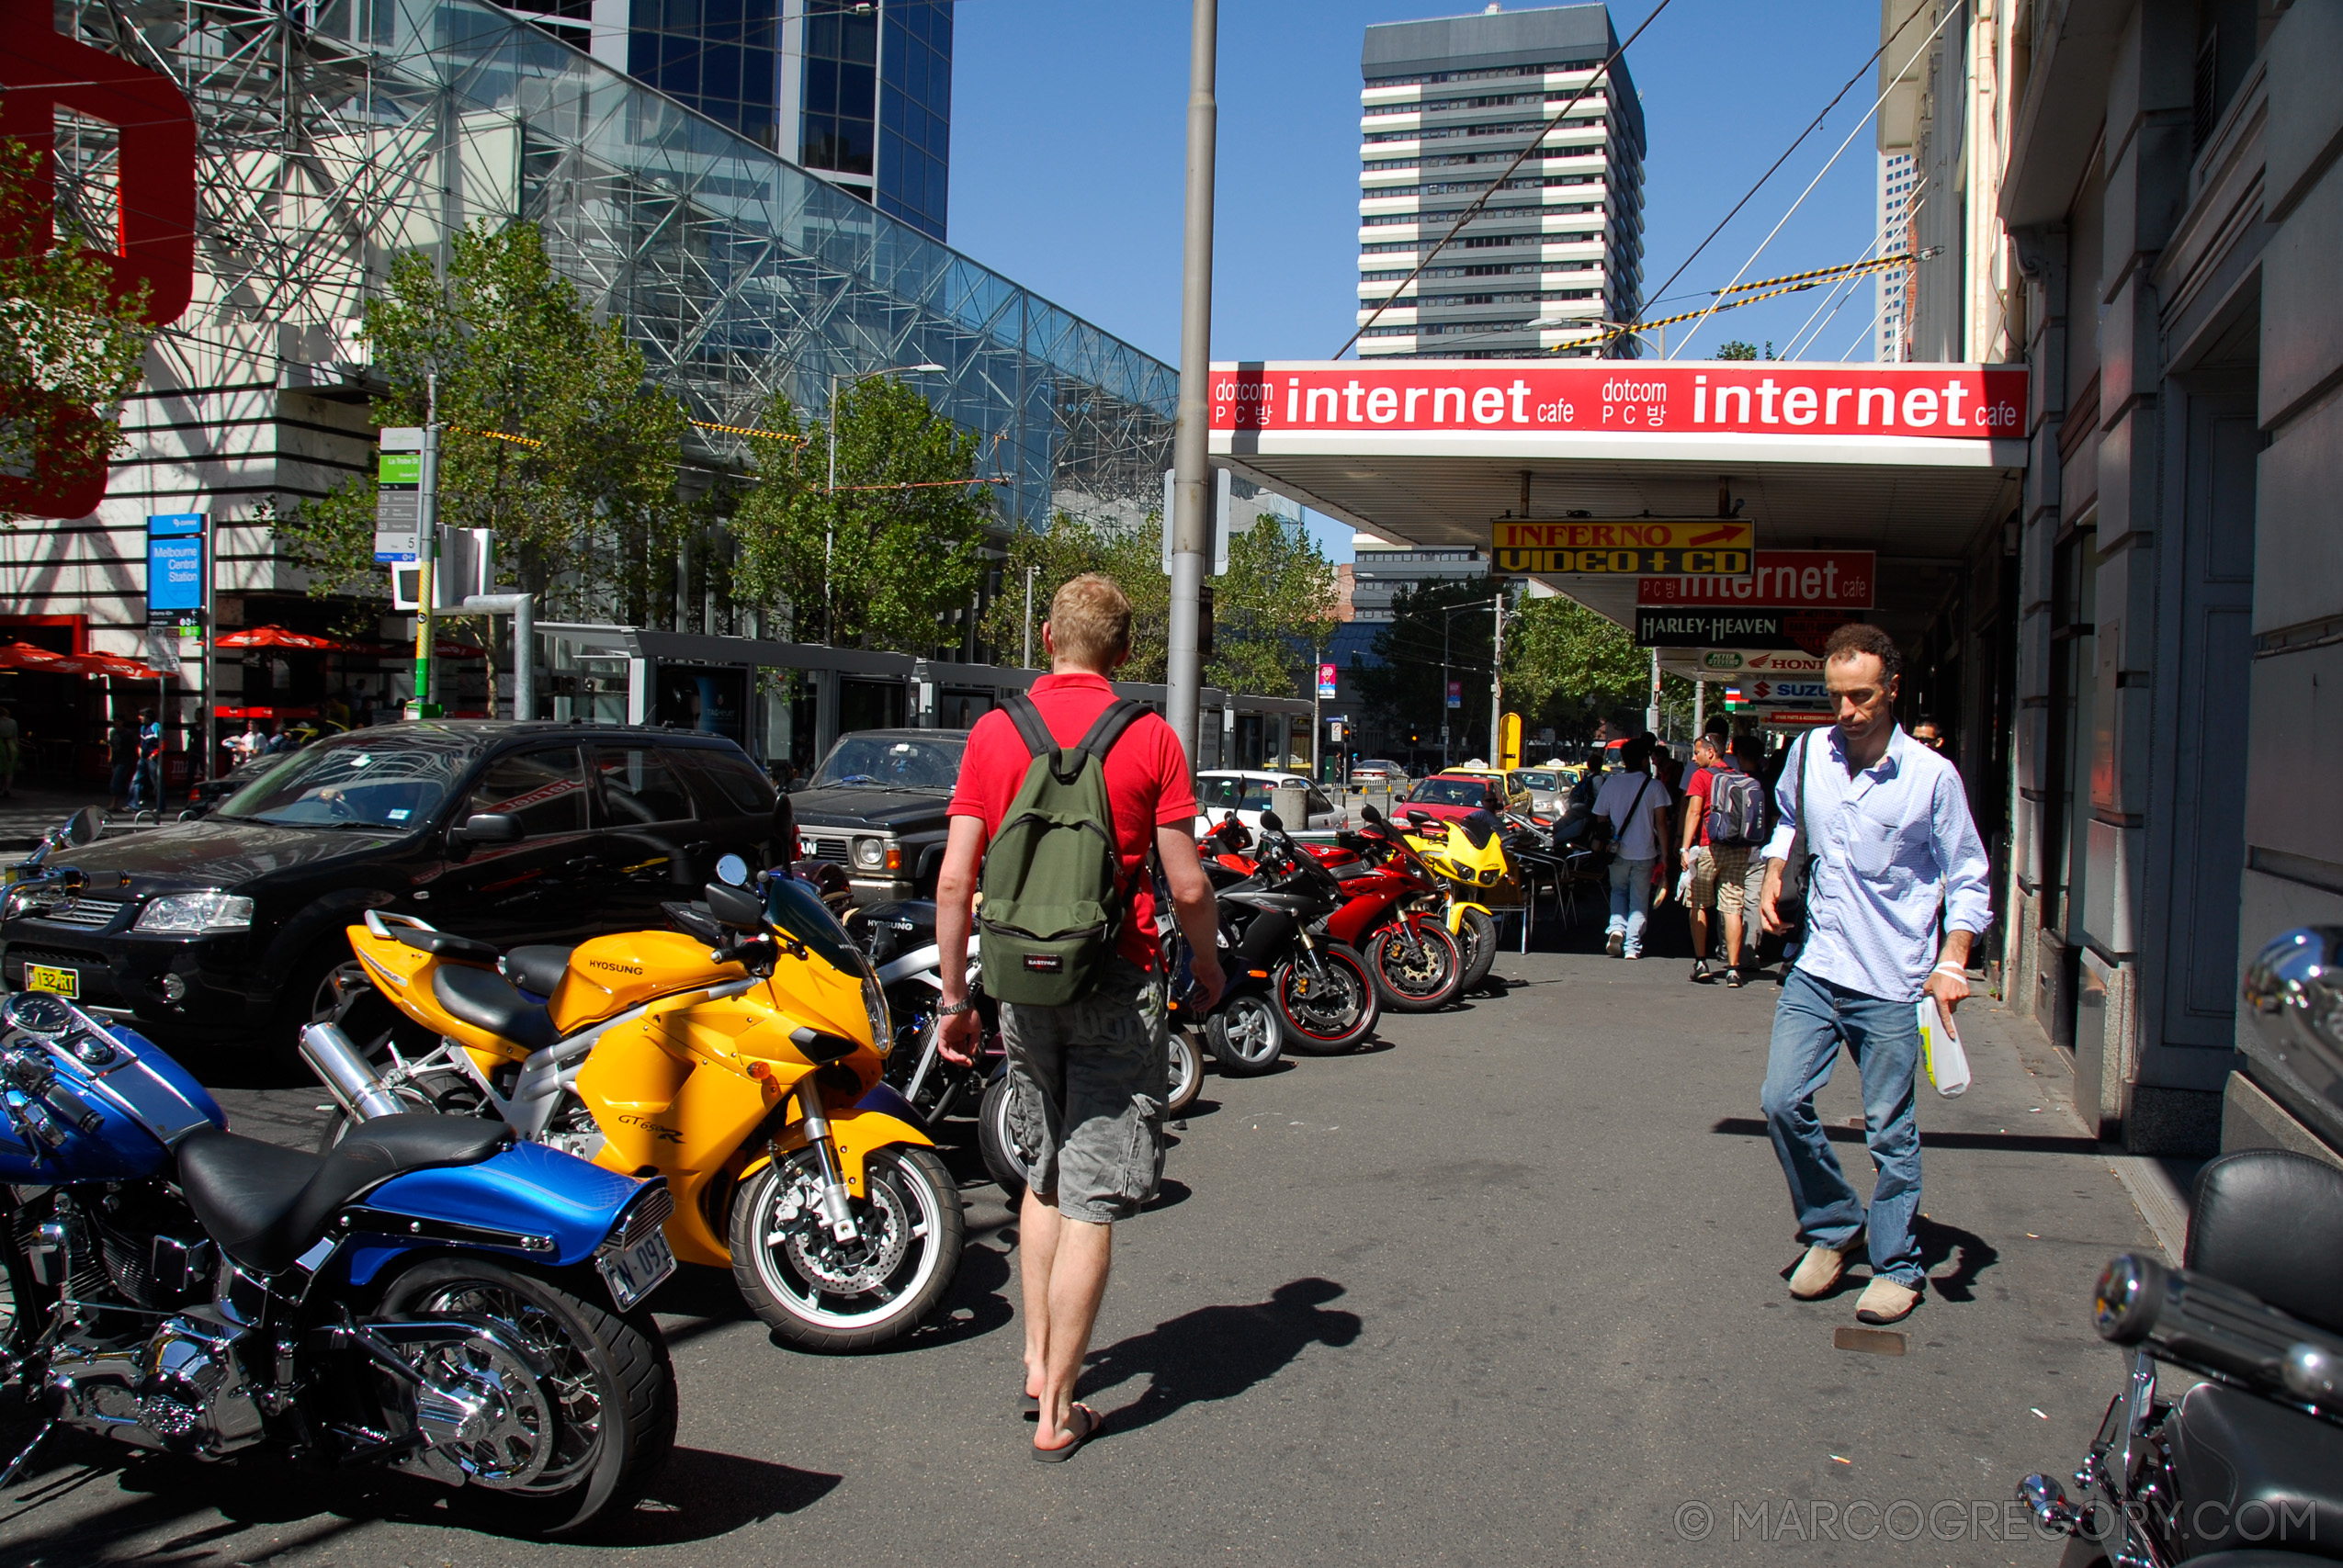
(1054, 900)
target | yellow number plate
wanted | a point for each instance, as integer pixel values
(49, 977)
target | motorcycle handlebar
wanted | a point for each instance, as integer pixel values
(2211, 1326)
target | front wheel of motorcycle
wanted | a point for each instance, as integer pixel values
(1247, 1035)
(1421, 976)
(579, 1433)
(820, 1293)
(1328, 1012)
(1476, 935)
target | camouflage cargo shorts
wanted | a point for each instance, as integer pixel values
(1086, 1087)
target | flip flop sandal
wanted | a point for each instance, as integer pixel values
(1059, 1456)
(1029, 1406)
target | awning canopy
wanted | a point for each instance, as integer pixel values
(1919, 463)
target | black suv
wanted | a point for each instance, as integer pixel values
(508, 832)
(875, 807)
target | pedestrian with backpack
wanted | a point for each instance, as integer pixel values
(1725, 822)
(1064, 791)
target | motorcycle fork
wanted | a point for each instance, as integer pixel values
(837, 1207)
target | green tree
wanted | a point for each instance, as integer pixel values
(1404, 693)
(1569, 667)
(1069, 546)
(1736, 349)
(1277, 603)
(552, 433)
(70, 347)
(878, 562)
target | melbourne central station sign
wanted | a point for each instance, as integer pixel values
(1787, 397)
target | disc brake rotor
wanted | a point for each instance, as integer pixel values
(497, 1422)
(830, 1267)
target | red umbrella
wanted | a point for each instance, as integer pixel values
(276, 636)
(25, 655)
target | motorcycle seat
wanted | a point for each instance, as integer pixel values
(266, 1204)
(446, 945)
(538, 969)
(485, 1000)
(2270, 1221)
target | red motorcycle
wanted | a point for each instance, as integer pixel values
(1415, 963)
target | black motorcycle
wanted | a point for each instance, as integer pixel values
(1289, 983)
(2245, 1469)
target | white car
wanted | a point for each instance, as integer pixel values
(1245, 791)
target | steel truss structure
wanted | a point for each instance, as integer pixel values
(335, 134)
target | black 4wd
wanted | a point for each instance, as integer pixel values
(229, 926)
(875, 807)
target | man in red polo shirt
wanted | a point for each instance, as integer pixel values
(1087, 1081)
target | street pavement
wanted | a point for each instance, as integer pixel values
(1505, 1286)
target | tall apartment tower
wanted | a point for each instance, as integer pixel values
(1897, 172)
(858, 92)
(1446, 107)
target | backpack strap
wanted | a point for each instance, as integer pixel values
(1030, 728)
(1120, 715)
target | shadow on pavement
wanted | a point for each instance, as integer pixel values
(2006, 1143)
(1940, 1242)
(1218, 1353)
(702, 1494)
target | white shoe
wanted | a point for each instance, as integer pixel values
(1821, 1268)
(1885, 1301)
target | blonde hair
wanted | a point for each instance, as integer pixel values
(1090, 622)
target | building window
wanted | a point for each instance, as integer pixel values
(841, 93)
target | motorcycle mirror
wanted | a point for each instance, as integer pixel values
(1367, 813)
(1271, 823)
(84, 827)
(733, 871)
(735, 907)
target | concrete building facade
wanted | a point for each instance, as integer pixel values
(1447, 107)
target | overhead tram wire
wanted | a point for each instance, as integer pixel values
(1950, 12)
(1838, 296)
(1602, 73)
(1798, 282)
(1815, 125)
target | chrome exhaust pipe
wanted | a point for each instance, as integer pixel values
(347, 1075)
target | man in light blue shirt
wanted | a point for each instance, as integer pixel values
(1889, 841)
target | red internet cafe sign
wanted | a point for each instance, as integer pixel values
(40, 73)
(1967, 402)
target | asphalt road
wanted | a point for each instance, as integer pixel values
(1505, 1286)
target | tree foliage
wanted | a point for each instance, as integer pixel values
(879, 561)
(70, 347)
(1069, 546)
(1275, 605)
(552, 432)
(1405, 693)
(1568, 667)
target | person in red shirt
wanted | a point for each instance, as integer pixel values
(1087, 1081)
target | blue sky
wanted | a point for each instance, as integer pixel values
(1069, 132)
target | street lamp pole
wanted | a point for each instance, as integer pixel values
(1029, 571)
(1190, 467)
(829, 515)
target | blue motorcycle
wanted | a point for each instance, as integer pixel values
(428, 1297)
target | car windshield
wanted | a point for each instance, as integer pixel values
(886, 761)
(1450, 792)
(1234, 794)
(1538, 781)
(394, 787)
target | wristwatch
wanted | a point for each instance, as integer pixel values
(953, 1010)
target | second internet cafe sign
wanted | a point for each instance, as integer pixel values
(1838, 579)
(1630, 547)
(1960, 403)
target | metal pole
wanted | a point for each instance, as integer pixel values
(427, 549)
(1699, 708)
(1447, 619)
(1029, 571)
(1190, 469)
(1497, 681)
(829, 520)
(1651, 714)
(1318, 656)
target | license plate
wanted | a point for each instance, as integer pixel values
(637, 1271)
(50, 977)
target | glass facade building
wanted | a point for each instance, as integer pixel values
(858, 91)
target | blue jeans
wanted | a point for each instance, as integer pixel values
(1815, 1018)
(1630, 898)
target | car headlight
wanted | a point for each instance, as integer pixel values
(192, 914)
(870, 854)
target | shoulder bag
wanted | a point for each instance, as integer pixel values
(1797, 871)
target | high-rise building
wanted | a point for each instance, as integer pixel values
(1897, 173)
(1446, 107)
(856, 92)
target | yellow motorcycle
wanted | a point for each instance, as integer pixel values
(741, 1060)
(1467, 854)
